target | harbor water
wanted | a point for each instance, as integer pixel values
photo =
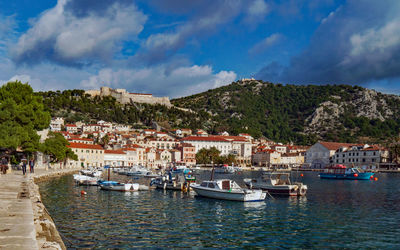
(333, 214)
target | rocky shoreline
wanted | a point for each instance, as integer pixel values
(47, 235)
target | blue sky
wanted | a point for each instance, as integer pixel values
(177, 47)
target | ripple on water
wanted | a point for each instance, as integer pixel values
(335, 214)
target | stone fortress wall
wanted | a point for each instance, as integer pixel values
(122, 96)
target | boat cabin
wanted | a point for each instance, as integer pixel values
(275, 179)
(221, 185)
(341, 169)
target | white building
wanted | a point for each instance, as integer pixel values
(56, 123)
(319, 155)
(88, 155)
(363, 156)
(116, 158)
(236, 145)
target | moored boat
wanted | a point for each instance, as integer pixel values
(117, 186)
(85, 180)
(226, 189)
(342, 172)
(277, 184)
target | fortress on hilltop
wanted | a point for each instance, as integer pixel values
(122, 96)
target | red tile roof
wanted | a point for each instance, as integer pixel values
(83, 145)
(335, 145)
(114, 152)
(204, 138)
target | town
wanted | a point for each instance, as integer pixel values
(106, 143)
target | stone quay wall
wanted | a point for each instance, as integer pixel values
(47, 235)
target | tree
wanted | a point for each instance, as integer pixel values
(205, 156)
(105, 140)
(22, 113)
(56, 147)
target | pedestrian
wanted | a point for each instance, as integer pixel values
(4, 165)
(31, 166)
(23, 166)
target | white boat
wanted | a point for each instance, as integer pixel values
(226, 189)
(225, 170)
(139, 171)
(277, 184)
(116, 186)
(85, 180)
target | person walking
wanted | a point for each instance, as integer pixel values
(23, 166)
(4, 165)
(31, 166)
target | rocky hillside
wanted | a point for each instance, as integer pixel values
(301, 114)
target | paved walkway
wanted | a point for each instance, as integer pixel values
(17, 230)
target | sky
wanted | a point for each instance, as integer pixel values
(178, 47)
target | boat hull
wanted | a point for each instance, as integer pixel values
(359, 176)
(254, 195)
(290, 190)
(130, 187)
(169, 186)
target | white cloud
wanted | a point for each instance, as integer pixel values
(266, 43)
(62, 36)
(258, 8)
(178, 82)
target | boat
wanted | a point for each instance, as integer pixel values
(225, 169)
(277, 184)
(117, 186)
(178, 182)
(85, 180)
(342, 172)
(226, 189)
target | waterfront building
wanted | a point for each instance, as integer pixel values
(116, 158)
(188, 153)
(136, 155)
(266, 158)
(320, 154)
(207, 142)
(88, 155)
(236, 145)
(363, 156)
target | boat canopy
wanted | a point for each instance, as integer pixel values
(338, 166)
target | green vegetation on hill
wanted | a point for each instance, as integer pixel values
(285, 113)
(281, 112)
(75, 105)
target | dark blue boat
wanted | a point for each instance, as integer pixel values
(341, 172)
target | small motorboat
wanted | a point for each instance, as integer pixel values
(277, 184)
(179, 182)
(342, 172)
(226, 189)
(85, 180)
(117, 186)
(225, 169)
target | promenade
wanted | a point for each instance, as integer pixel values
(24, 222)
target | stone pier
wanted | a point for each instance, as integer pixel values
(24, 221)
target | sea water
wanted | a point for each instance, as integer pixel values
(333, 214)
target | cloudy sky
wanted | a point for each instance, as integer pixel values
(179, 47)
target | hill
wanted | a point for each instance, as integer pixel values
(297, 113)
(75, 105)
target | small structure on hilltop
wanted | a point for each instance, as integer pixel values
(122, 96)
